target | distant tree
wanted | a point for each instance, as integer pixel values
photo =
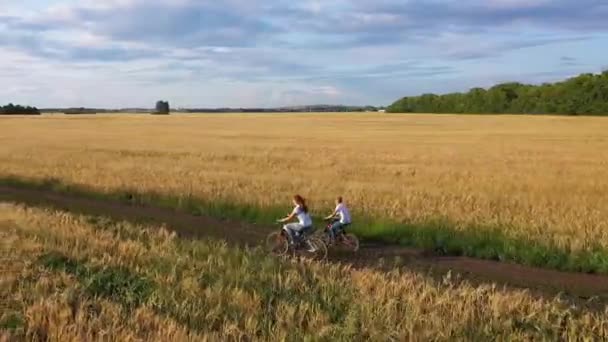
(162, 107)
(12, 109)
(80, 110)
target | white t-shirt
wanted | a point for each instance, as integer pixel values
(303, 216)
(343, 212)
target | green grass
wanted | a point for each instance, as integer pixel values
(11, 320)
(118, 284)
(439, 235)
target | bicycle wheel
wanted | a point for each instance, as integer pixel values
(320, 248)
(351, 242)
(277, 244)
(323, 236)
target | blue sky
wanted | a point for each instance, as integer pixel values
(210, 53)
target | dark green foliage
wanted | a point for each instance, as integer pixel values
(120, 285)
(11, 109)
(58, 262)
(115, 283)
(162, 107)
(586, 94)
(80, 110)
(11, 321)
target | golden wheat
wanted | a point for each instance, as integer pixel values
(206, 291)
(543, 178)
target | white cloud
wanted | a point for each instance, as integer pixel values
(253, 52)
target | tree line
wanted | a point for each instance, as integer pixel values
(294, 109)
(586, 94)
(11, 109)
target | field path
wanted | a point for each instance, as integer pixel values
(371, 255)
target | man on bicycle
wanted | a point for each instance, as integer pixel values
(341, 215)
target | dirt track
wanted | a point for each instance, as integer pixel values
(370, 255)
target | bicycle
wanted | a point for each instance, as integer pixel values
(278, 244)
(343, 239)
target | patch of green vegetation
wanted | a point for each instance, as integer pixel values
(440, 235)
(58, 262)
(12, 320)
(118, 284)
(575, 96)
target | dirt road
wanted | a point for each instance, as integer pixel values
(581, 286)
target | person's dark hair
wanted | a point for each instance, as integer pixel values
(301, 202)
(339, 199)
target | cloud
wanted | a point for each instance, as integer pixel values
(331, 50)
(463, 51)
(569, 61)
(558, 14)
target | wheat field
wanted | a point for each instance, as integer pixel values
(540, 178)
(80, 278)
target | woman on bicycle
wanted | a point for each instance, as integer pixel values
(297, 229)
(341, 215)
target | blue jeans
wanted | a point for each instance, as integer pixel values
(336, 228)
(295, 231)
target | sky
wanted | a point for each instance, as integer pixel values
(254, 53)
